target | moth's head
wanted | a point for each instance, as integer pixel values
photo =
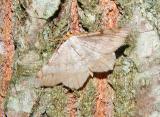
(69, 35)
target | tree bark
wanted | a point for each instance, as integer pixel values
(37, 29)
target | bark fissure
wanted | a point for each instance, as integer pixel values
(104, 101)
(9, 50)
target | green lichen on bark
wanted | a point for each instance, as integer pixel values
(126, 9)
(51, 102)
(122, 81)
(151, 11)
(131, 42)
(30, 56)
(87, 100)
(90, 14)
(59, 103)
(42, 43)
(20, 15)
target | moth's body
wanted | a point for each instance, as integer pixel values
(81, 56)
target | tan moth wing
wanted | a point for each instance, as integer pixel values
(80, 56)
(64, 67)
(105, 43)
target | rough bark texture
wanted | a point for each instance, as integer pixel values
(104, 102)
(38, 28)
(9, 50)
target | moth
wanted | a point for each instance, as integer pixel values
(81, 56)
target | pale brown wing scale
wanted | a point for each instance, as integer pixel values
(80, 56)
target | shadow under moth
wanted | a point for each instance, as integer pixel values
(81, 56)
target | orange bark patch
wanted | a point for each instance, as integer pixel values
(8, 42)
(71, 105)
(110, 14)
(74, 26)
(101, 98)
(104, 100)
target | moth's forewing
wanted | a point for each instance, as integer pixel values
(66, 67)
(105, 43)
(104, 64)
(95, 61)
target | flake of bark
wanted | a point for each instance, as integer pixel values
(7, 39)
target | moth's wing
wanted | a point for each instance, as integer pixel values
(95, 61)
(105, 63)
(74, 60)
(104, 43)
(65, 66)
